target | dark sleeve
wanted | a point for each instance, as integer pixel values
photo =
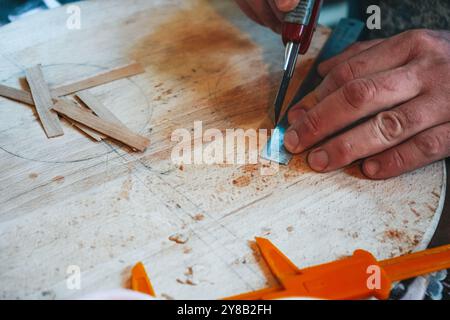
(401, 15)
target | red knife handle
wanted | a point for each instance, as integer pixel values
(300, 33)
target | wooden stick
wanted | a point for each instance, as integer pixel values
(91, 133)
(16, 94)
(88, 131)
(112, 130)
(98, 107)
(102, 78)
(24, 96)
(43, 102)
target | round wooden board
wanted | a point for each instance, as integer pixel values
(70, 201)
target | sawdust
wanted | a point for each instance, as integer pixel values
(249, 171)
(354, 170)
(166, 296)
(416, 213)
(242, 181)
(266, 231)
(250, 168)
(126, 277)
(187, 250)
(199, 217)
(296, 166)
(191, 275)
(33, 175)
(394, 234)
(289, 174)
(127, 185)
(437, 195)
(179, 238)
(354, 235)
(416, 240)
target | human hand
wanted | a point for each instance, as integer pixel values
(268, 13)
(384, 101)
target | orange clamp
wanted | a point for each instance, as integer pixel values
(356, 277)
(140, 281)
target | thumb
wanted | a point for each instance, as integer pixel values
(286, 5)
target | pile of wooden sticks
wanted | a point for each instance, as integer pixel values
(92, 117)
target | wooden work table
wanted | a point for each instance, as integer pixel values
(99, 206)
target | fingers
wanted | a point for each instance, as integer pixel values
(386, 55)
(269, 13)
(286, 5)
(386, 130)
(326, 66)
(355, 100)
(324, 69)
(279, 14)
(423, 149)
(266, 14)
(247, 9)
(297, 111)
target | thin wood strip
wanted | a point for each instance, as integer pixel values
(99, 79)
(88, 131)
(91, 133)
(98, 107)
(25, 97)
(16, 94)
(96, 80)
(112, 130)
(43, 102)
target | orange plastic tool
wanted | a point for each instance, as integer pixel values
(140, 281)
(348, 278)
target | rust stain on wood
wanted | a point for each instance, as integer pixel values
(242, 181)
(354, 170)
(199, 217)
(58, 179)
(297, 165)
(394, 234)
(127, 185)
(33, 175)
(207, 70)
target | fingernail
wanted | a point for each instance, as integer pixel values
(371, 167)
(291, 140)
(318, 160)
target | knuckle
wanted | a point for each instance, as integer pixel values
(389, 126)
(417, 35)
(430, 145)
(358, 92)
(356, 47)
(412, 118)
(393, 82)
(311, 123)
(422, 38)
(342, 73)
(344, 151)
(398, 160)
